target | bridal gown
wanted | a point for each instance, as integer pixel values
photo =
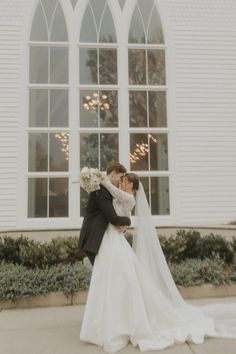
(125, 305)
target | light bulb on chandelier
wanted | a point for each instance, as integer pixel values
(93, 102)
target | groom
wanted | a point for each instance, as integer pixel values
(99, 213)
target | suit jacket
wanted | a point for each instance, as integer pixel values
(99, 213)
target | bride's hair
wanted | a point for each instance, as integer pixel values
(132, 177)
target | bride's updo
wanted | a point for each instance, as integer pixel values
(132, 177)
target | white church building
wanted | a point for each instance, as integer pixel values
(149, 83)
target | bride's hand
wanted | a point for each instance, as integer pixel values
(121, 229)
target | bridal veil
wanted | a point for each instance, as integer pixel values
(147, 247)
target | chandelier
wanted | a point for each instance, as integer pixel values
(64, 139)
(93, 102)
(141, 150)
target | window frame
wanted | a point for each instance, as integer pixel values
(73, 18)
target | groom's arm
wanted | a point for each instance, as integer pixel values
(104, 200)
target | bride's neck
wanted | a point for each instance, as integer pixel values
(129, 190)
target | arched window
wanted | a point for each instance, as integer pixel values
(118, 108)
(48, 125)
(147, 105)
(98, 90)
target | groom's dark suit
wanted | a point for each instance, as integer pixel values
(99, 213)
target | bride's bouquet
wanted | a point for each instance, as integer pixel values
(90, 179)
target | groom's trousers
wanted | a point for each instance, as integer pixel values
(91, 256)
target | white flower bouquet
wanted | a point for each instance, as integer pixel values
(90, 179)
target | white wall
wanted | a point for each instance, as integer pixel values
(204, 46)
(11, 19)
(202, 114)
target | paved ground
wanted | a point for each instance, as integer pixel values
(56, 330)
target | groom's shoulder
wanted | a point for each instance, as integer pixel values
(104, 192)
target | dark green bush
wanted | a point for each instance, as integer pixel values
(33, 253)
(173, 247)
(192, 239)
(190, 244)
(212, 244)
(10, 248)
(183, 245)
(233, 243)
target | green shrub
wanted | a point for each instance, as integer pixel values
(233, 243)
(190, 244)
(191, 272)
(173, 247)
(18, 281)
(33, 253)
(192, 239)
(10, 248)
(211, 244)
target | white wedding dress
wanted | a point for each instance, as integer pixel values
(132, 295)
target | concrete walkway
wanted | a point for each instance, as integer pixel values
(55, 330)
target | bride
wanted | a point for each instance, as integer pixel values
(132, 295)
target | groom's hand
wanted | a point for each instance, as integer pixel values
(121, 229)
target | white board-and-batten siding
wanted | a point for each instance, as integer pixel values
(201, 72)
(11, 21)
(204, 46)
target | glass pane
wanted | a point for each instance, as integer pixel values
(158, 152)
(49, 7)
(37, 197)
(58, 65)
(98, 7)
(108, 104)
(145, 7)
(89, 150)
(107, 66)
(88, 66)
(139, 152)
(138, 108)
(88, 31)
(155, 33)
(89, 108)
(59, 110)
(58, 197)
(137, 32)
(83, 201)
(38, 108)
(59, 29)
(59, 151)
(107, 31)
(109, 150)
(122, 3)
(137, 67)
(39, 65)
(38, 152)
(39, 30)
(160, 195)
(156, 67)
(157, 109)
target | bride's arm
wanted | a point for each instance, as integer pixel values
(117, 193)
